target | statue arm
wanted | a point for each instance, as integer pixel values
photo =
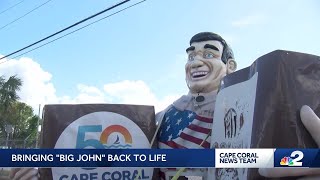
(312, 122)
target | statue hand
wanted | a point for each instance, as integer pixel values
(312, 122)
(24, 174)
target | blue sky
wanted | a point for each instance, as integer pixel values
(138, 55)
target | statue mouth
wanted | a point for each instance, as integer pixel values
(199, 74)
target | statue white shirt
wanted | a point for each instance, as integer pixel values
(186, 124)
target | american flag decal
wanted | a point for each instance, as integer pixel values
(184, 130)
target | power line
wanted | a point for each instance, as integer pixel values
(11, 7)
(71, 26)
(25, 14)
(75, 30)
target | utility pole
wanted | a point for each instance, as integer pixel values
(8, 129)
(37, 137)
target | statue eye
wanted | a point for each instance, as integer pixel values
(208, 55)
(191, 56)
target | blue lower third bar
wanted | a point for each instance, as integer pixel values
(107, 158)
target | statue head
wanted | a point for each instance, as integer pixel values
(209, 60)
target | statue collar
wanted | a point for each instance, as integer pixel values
(195, 99)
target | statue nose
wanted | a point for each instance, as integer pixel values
(196, 64)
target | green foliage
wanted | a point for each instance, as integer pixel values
(15, 113)
(8, 91)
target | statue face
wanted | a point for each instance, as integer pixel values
(204, 69)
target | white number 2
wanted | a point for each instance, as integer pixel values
(295, 159)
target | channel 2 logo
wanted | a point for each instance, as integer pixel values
(293, 160)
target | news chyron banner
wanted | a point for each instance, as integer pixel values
(244, 158)
(297, 158)
(244, 163)
(193, 158)
(266, 158)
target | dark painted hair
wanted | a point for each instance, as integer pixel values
(206, 36)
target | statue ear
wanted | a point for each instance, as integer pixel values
(231, 66)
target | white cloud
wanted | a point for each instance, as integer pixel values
(89, 89)
(130, 92)
(38, 88)
(136, 92)
(248, 20)
(86, 94)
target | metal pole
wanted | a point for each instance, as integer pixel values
(37, 138)
(9, 129)
(25, 141)
(7, 140)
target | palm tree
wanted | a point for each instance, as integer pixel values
(8, 96)
(8, 91)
